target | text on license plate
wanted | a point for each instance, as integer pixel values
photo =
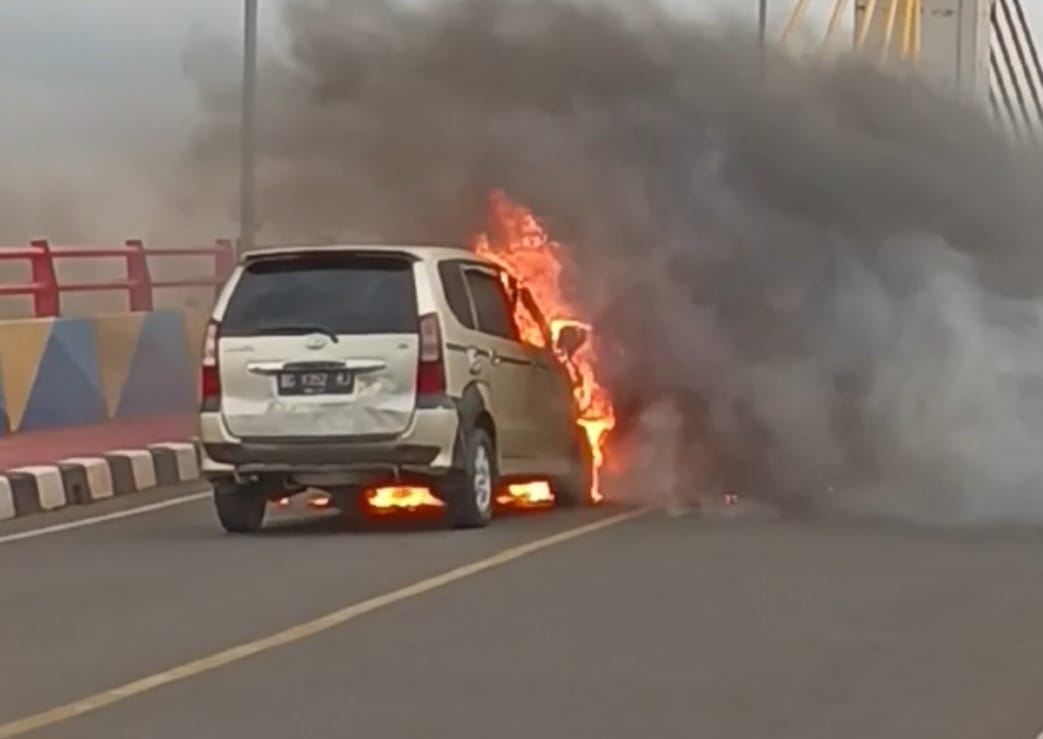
(316, 383)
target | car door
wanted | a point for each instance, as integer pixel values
(551, 399)
(507, 366)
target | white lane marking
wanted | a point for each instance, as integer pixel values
(116, 516)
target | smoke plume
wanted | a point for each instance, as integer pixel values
(830, 274)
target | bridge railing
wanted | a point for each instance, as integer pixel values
(46, 290)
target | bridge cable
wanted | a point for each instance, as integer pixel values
(794, 19)
(889, 29)
(917, 28)
(839, 6)
(1019, 9)
(1008, 61)
(1025, 32)
(1008, 104)
(866, 22)
(907, 29)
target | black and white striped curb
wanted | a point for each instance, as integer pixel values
(83, 480)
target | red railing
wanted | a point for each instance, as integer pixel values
(46, 290)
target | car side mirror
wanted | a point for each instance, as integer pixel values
(570, 340)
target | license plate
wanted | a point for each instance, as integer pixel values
(316, 383)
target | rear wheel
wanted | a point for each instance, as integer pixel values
(468, 495)
(572, 490)
(240, 508)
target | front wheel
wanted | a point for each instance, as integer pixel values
(468, 494)
(240, 508)
(573, 489)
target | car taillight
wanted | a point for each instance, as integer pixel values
(430, 376)
(210, 374)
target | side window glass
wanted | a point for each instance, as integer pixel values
(491, 304)
(456, 293)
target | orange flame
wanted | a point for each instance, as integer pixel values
(526, 495)
(519, 243)
(402, 498)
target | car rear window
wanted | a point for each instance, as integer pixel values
(341, 294)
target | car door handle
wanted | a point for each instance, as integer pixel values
(495, 358)
(474, 360)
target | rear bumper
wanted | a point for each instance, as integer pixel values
(295, 455)
(426, 447)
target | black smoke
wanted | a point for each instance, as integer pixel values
(828, 273)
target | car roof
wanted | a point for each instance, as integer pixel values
(436, 252)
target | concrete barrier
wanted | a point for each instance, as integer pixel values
(81, 481)
(66, 372)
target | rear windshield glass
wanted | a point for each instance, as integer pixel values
(339, 294)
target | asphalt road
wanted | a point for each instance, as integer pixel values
(716, 627)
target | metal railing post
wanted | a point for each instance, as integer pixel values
(46, 297)
(139, 279)
(224, 263)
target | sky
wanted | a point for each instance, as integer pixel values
(70, 62)
(84, 83)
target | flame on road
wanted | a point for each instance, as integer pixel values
(402, 498)
(526, 495)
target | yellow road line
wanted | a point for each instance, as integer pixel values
(296, 633)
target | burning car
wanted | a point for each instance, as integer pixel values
(399, 377)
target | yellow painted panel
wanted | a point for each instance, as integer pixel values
(116, 337)
(22, 344)
(195, 328)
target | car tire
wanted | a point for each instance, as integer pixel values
(470, 494)
(240, 508)
(573, 489)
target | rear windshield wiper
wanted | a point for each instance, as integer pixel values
(294, 330)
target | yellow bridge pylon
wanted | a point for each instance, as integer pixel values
(889, 29)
